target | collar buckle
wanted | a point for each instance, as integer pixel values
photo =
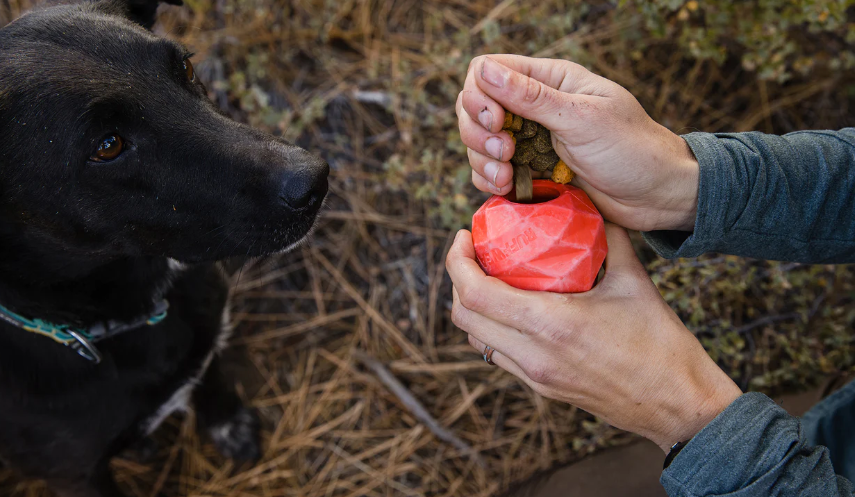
(84, 347)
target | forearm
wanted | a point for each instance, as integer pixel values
(788, 197)
(753, 448)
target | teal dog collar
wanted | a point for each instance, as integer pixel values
(83, 340)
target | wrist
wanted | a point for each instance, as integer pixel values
(684, 175)
(701, 401)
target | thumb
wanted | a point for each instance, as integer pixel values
(528, 96)
(621, 257)
(461, 262)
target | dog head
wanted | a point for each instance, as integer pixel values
(109, 147)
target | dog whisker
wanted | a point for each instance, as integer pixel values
(218, 228)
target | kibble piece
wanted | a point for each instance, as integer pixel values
(509, 120)
(527, 130)
(542, 140)
(517, 124)
(544, 162)
(562, 174)
(524, 153)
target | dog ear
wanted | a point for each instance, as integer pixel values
(142, 12)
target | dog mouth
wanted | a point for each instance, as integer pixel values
(264, 231)
(305, 239)
(302, 242)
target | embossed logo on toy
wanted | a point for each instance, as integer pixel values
(511, 247)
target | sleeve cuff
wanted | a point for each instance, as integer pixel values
(740, 448)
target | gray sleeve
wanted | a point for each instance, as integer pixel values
(789, 197)
(753, 449)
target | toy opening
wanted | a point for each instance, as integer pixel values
(542, 191)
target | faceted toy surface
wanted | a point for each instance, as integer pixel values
(556, 245)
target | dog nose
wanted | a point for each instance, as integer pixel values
(306, 184)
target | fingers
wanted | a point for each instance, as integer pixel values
(483, 109)
(530, 97)
(491, 297)
(499, 359)
(474, 135)
(485, 186)
(549, 91)
(514, 352)
(490, 175)
(562, 75)
(498, 335)
(528, 89)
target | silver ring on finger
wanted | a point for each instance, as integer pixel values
(488, 355)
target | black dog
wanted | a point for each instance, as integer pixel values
(120, 185)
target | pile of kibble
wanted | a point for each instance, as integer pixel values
(533, 151)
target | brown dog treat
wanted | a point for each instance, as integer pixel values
(524, 150)
(517, 124)
(542, 140)
(544, 162)
(527, 130)
(524, 153)
(522, 183)
(562, 174)
(516, 161)
(509, 120)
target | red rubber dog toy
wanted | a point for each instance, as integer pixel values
(557, 243)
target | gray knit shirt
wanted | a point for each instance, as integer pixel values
(788, 198)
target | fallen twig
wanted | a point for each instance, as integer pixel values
(415, 407)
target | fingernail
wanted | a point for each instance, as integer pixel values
(494, 73)
(485, 117)
(491, 171)
(494, 147)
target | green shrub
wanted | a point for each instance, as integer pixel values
(775, 38)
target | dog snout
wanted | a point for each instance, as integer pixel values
(305, 184)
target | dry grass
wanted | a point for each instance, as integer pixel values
(371, 86)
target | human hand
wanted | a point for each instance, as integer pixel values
(617, 351)
(638, 173)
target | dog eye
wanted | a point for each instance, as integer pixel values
(188, 69)
(110, 148)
